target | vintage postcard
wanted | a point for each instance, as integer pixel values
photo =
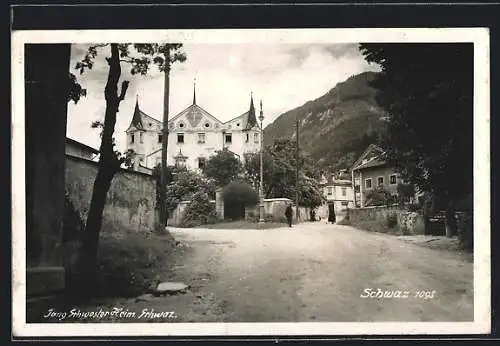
(251, 182)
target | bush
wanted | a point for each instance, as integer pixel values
(237, 196)
(405, 192)
(392, 220)
(199, 212)
(184, 185)
(378, 197)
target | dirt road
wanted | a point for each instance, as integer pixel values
(312, 272)
(316, 272)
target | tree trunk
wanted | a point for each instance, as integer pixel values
(108, 166)
(94, 221)
(450, 221)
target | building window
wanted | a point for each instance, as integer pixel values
(368, 183)
(392, 179)
(380, 181)
(344, 191)
(201, 138)
(330, 191)
(141, 137)
(247, 137)
(256, 138)
(180, 138)
(132, 138)
(207, 125)
(201, 162)
(344, 203)
(228, 138)
(160, 138)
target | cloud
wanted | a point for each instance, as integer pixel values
(284, 76)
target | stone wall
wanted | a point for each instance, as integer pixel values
(176, 216)
(219, 204)
(407, 222)
(175, 219)
(411, 222)
(274, 208)
(131, 199)
(304, 214)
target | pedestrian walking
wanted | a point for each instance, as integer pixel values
(331, 213)
(289, 214)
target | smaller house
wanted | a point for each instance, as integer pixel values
(78, 149)
(338, 191)
(371, 171)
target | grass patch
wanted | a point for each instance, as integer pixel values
(244, 225)
(130, 262)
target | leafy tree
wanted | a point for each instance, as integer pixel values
(280, 173)
(223, 167)
(427, 90)
(110, 160)
(184, 185)
(405, 192)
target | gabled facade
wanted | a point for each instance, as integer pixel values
(338, 191)
(194, 136)
(371, 171)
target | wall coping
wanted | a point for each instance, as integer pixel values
(121, 170)
(376, 207)
(276, 199)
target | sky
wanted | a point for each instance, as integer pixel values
(283, 76)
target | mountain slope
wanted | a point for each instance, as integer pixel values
(336, 127)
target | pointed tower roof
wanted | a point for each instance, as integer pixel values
(194, 91)
(139, 118)
(136, 118)
(251, 118)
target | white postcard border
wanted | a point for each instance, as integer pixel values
(482, 275)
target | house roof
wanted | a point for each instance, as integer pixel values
(371, 157)
(194, 114)
(370, 164)
(337, 182)
(81, 145)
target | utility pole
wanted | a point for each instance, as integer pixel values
(164, 142)
(169, 59)
(261, 185)
(297, 171)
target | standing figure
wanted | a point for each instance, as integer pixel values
(331, 213)
(289, 214)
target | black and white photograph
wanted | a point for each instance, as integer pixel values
(251, 182)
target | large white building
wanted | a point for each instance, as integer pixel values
(194, 135)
